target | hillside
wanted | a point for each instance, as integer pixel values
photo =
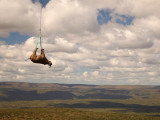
(102, 98)
(67, 114)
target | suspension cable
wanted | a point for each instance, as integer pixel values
(40, 32)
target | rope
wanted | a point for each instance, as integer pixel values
(40, 35)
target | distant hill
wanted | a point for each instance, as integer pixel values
(13, 91)
(40, 85)
(56, 85)
(137, 98)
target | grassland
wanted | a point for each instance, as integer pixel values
(32, 101)
(66, 114)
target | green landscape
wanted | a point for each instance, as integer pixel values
(45, 101)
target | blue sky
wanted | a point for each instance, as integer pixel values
(15, 38)
(43, 2)
(104, 16)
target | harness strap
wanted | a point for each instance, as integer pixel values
(40, 41)
(37, 43)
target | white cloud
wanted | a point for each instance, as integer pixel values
(95, 73)
(18, 16)
(69, 16)
(81, 50)
(153, 73)
(85, 74)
